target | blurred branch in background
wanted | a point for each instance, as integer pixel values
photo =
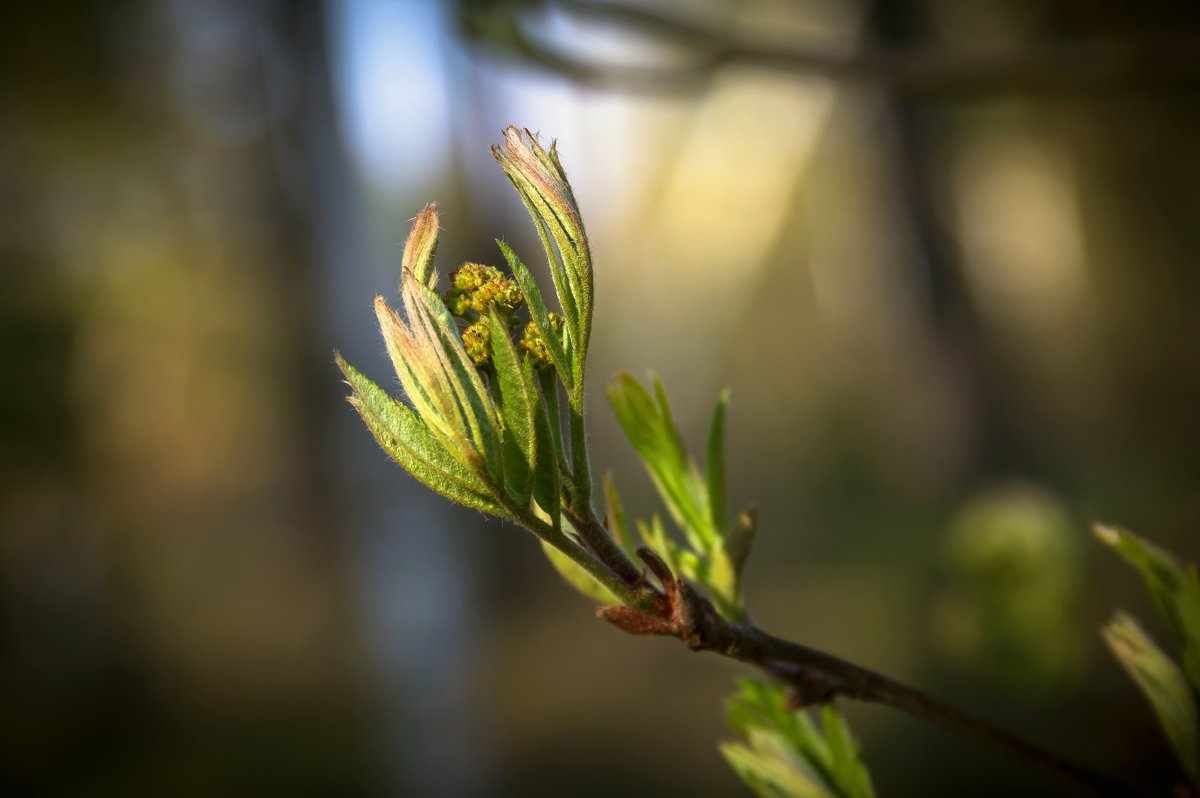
(692, 51)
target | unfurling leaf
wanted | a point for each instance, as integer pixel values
(421, 246)
(539, 179)
(1164, 686)
(1174, 587)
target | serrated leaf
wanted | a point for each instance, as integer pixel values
(1174, 587)
(648, 425)
(577, 577)
(537, 310)
(517, 407)
(1163, 685)
(769, 768)
(406, 439)
(545, 477)
(469, 415)
(847, 769)
(549, 388)
(716, 550)
(787, 754)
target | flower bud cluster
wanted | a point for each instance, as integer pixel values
(533, 344)
(474, 290)
(475, 287)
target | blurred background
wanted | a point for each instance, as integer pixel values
(944, 254)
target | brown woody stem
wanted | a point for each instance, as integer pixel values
(820, 677)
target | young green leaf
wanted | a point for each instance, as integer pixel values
(772, 770)
(655, 536)
(784, 754)
(545, 477)
(648, 425)
(1174, 588)
(549, 388)
(1164, 686)
(519, 402)
(406, 439)
(537, 310)
(577, 577)
(542, 185)
(437, 334)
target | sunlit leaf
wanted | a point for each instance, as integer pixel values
(577, 577)
(542, 185)
(517, 407)
(652, 433)
(406, 439)
(539, 313)
(421, 245)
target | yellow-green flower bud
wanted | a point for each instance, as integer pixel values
(477, 340)
(475, 287)
(533, 344)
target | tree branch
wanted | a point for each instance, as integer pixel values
(819, 677)
(1081, 65)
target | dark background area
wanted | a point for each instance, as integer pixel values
(945, 255)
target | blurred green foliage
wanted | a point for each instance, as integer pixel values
(1009, 604)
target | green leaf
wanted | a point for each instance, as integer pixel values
(1174, 588)
(577, 577)
(846, 766)
(437, 333)
(408, 441)
(542, 185)
(714, 471)
(1164, 686)
(784, 752)
(517, 408)
(549, 386)
(537, 310)
(773, 770)
(649, 427)
(716, 550)
(655, 536)
(545, 477)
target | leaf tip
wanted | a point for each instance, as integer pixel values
(1108, 535)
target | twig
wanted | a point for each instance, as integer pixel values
(819, 677)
